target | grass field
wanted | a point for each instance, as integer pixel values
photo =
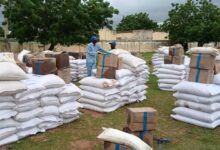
(81, 134)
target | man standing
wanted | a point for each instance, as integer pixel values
(91, 54)
(112, 45)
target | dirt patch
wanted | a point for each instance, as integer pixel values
(92, 113)
(83, 145)
(39, 138)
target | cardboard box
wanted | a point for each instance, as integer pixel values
(146, 136)
(108, 60)
(176, 50)
(178, 60)
(217, 67)
(113, 146)
(43, 66)
(65, 75)
(62, 60)
(201, 75)
(106, 72)
(202, 61)
(141, 119)
(120, 63)
(168, 59)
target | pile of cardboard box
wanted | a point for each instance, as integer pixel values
(43, 64)
(202, 68)
(107, 66)
(141, 122)
(176, 55)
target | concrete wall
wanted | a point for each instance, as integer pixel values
(160, 36)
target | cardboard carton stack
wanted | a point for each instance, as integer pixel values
(62, 65)
(107, 66)
(176, 55)
(44, 66)
(142, 122)
(202, 68)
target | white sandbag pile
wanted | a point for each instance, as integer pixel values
(170, 75)
(78, 69)
(132, 77)
(198, 103)
(158, 57)
(35, 105)
(131, 88)
(100, 94)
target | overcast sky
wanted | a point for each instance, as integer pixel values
(157, 9)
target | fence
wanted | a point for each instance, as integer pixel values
(132, 46)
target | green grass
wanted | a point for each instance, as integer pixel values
(85, 130)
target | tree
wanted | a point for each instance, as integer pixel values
(194, 21)
(57, 21)
(136, 22)
(1, 32)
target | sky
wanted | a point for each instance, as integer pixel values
(157, 9)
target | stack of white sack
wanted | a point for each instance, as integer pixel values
(35, 105)
(198, 104)
(100, 94)
(131, 89)
(158, 57)
(170, 75)
(78, 69)
(10, 76)
(140, 71)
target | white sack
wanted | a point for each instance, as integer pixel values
(99, 83)
(71, 90)
(49, 100)
(51, 81)
(116, 136)
(197, 115)
(197, 106)
(11, 87)
(196, 122)
(6, 114)
(11, 72)
(104, 92)
(25, 116)
(197, 88)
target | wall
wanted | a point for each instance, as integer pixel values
(160, 36)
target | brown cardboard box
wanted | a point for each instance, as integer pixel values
(178, 60)
(201, 75)
(43, 66)
(176, 50)
(202, 61)
(65, 75)
(217, 67)
(168, 59)
(142, 126)
(120, 63)
(113, 146)
(141, 119)
(62, 60)
(108, 60)
(108, 72)
(22, 66)
(146, 136)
